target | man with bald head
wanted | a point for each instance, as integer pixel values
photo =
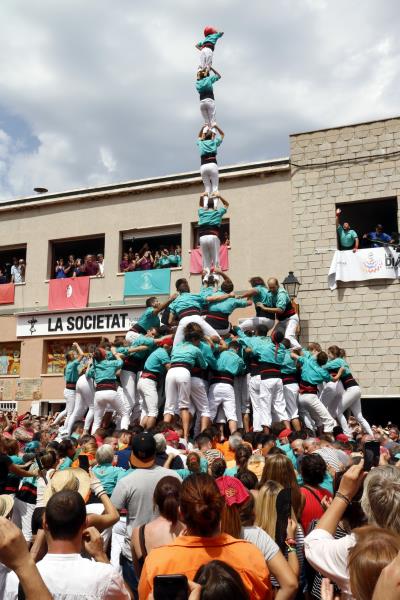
(278, 305)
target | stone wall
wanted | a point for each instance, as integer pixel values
(364, 318)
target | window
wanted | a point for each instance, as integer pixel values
(55, 351)
(364, 216)
(10, 358)
(223, 233)
(8, 406)
(70, 255)
(9, 256)
(159, 247)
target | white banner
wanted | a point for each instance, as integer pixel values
(77, 322)
(371, 263)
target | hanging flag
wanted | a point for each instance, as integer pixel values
(196, 260)
(7, 293)
(147, 283)
(72, 292)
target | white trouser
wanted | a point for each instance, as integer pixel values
(210, 176)
(198, 396)
(206, 56)
(117, 542)
(22, 517)
(177, 390)
(69, 397)
(207, 109)
(104, 399)
(291, 395)
(60, 416)
(271, 397)
(210, 245)
(128, 385)
(254, 322)
(254, 391)
(222, 394)
(289, 329)
(148, 396)
(351, 399)
(207, 329)
(131, 336)
(317, 411)
(84, 401)
(330, 396)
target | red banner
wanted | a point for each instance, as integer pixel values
(7, 293)
(68, 293)
(196, 260)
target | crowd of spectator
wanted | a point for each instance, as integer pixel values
(91, 265)
(13, 273)
(283, 515)
(149, 258)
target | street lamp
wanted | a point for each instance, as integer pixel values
(291, 284)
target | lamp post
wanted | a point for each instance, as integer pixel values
(291, 284)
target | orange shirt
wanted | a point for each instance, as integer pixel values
(226, 451)
(187, 553)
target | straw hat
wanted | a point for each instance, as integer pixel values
(6, 505)
(76, 480)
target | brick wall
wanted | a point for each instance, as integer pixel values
(364, 317)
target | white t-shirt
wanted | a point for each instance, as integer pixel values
(16, 272)
(262, 540)
(71, 577)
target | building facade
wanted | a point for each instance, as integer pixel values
(281, 218)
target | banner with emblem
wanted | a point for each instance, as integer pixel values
(147, 283)
(68, 293)
(371, 263)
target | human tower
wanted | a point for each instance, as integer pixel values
(209, 139)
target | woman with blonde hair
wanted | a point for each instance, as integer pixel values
(279, 468)
(266, 518)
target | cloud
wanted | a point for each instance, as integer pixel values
(96, 92)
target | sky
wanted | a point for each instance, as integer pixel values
(96, 92)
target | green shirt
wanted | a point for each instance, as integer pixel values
(157, 360)
(109, 476)
(267, 352)
(212, 39)
(105, 370)
(186, 300)
(279, 299)
(227, 306)
(289, 366)
(229, 362)
(206, 291)
(209, 355)
(142, 340)
(346, 238)
(71, 374)
(311, 371)
(185, 352)
(336, 364)
(209, 146)
(206, 84)
(148, 319)
(210, 216)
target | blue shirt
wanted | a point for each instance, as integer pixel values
(109, 476)
(71, 374)
(267, 352)
(148, 319)
(206, 84)
(209, 355)
(105, 370)
(279, 299)
(157, 360)
(227, 306)
(212, 39)
(381, 237)
(289, 366)
(229, 362)
(210, 216)
(209, 146)
(185, 352)
(186, 300)
(311, 371)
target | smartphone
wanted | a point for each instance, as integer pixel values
(84, 462)
(170, 587)
(283, 513)
(371, 455)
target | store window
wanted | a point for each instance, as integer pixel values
(223, 234)
(363, 217)
(73, 256)
(10, 358)
(13, 264)
(55, 351)
(155, 248)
